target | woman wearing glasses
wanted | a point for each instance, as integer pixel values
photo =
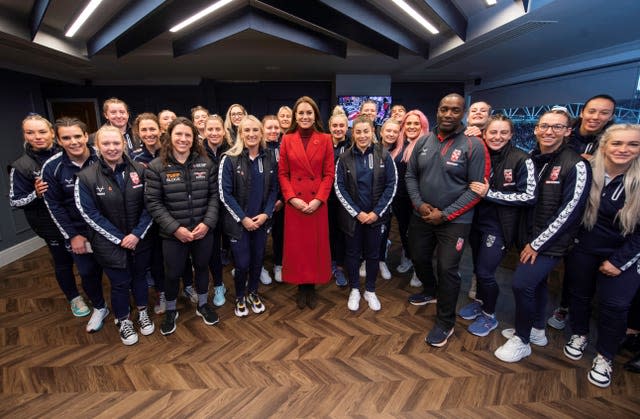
(235, 113)
(564, 179)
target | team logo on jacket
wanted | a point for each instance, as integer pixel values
(100, 190)
(455, 155)
(555, 173)
(508, 176)
(490, 240)
(459, 244)
(173, 177)
(135, 179)
(68, 183)
(200, 175)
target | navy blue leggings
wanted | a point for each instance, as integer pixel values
(248, 257)
(91, 275)
(364, 243)
(132, 278)
(530, 292)
(614, 296)
(176, 254)
(63, 268)
(488, 251)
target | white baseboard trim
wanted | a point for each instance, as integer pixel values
(19, 250)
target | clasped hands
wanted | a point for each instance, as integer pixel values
(184, 235)
(252, 224)
(367, 217)
(305, 208)
(431, 214)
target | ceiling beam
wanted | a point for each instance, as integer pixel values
(450, 15)
(126, 19)
(319, 14)
(260, 21)
(37, 16)
(377, 21)
(158, 22)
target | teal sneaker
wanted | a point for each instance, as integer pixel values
(218, 295)
(79, 308)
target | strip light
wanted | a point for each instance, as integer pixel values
(215, 6)
(416, 16)
(491, 2)
(88, 11)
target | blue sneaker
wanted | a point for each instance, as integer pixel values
(438, 337)
(483, 325)
(421, 299)
(471, 311)
(341, 280)
(218, 295)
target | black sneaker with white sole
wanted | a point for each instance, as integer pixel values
(208, 314)
(169, 323)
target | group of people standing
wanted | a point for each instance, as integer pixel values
(165, 199)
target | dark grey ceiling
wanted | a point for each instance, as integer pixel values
(129, 41)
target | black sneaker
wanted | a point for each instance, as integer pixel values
(421, 299)
(169, 323)
(208, 314)
(438, 336)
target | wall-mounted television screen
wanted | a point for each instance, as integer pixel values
(351, 106)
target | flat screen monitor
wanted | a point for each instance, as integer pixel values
(352, 104)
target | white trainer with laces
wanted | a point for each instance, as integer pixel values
(354, 299)
(384, 271)
(265, 278)
(96, 321)
(537, 336)
(513, 350)
(277, 273)
(600, 374)
(415, 282)
(405, 264)
(372, 299)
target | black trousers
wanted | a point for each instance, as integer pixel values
(175, 256)
(447, 241)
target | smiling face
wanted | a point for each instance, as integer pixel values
(370, 110)
(595, 115)
(390, 134)
(251, 134)
(305, 117)
(398, 113)
(117, 115)
(111, 147)
(165, 118)
(284, 118)
(362, 135)
(551, 130)
(236, 114)
(37, 134)
(622, 148)
(73, 141)
(478, 114)
(450, 113)
(412, 127)
(338, 128)
(199, 119)
(497, 135)
(271, 129)
(149, 133)
(214, 132)
(181, 140)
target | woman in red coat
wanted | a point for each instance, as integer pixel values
(306, 175)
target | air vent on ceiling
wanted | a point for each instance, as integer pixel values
(480, 45)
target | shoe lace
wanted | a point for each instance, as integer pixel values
(143, 319)
(255, 299)
(577, 341)
(78, 304)
(602, 365)
(126, 329)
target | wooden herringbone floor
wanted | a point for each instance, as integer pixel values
(283, 363)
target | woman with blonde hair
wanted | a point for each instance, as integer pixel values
(604, 260)
(234, 115)
(248, 188)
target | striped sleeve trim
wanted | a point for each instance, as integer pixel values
(527, 195)
(395, 188)
(221, 190)
(341, 197)
(20, 202)
(97, 227)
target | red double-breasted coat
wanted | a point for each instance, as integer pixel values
(306, 174)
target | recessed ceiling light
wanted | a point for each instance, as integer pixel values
(416, 16)
(491, 2)
(215, 6)
(88, 11)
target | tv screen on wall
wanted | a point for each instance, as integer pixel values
(352, 104)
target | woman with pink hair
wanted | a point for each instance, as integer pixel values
(414, 125)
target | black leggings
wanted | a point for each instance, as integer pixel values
(175, 256)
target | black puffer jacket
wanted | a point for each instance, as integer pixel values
(179, 194)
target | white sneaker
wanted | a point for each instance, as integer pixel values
(405, 264)
(128, 333)
(600, 374)
(537, 336)
(574, 349)
(372, 299)
(513, 350)
(415, 282)
(265, 278)
(363, 270)
(96, 321)
(277, 273)
(190, 294)
(145, 324)
(161, 304)
(384, 271)
(354, 300)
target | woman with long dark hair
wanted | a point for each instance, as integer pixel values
(306, 174)
(182, 197)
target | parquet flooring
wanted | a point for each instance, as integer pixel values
(286, 362)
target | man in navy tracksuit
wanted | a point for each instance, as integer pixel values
(60, 174)
(439, 173)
